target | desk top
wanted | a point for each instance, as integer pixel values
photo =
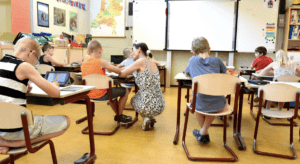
(257, 75)
(295, 84)
(36, 91)
(181, 76)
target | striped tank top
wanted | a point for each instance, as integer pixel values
(12, 90)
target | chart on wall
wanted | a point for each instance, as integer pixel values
(107, 18)
(73, 21)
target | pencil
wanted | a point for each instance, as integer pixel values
(56, 78)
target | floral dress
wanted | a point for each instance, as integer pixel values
(149, 100)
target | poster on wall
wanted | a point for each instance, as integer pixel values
(59, 17)
(73, 21)
(107, 18)
(43, 14)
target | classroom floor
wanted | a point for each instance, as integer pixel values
(134, 146)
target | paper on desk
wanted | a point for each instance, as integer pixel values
(111, 74)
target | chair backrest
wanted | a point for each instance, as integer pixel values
(99, 81)
(10, 116)
(279, 92)
(287, 78)
(44, 68)
(216, 84)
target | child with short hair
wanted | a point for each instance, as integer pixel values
(47, 57)
(96, 65)
(261, 60)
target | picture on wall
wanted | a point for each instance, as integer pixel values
(73, 21)
(43, 14)
(59, 17)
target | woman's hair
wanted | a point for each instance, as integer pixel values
(200, 45)
(144, 49)
(281, 57)
(46, 46)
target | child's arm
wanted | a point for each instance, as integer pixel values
(27, 71)
(133, 67)
(109, 67)
(50, 59)
(156, 62)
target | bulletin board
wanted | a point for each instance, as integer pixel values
(257, 25)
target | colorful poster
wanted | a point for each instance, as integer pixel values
(107, 18)
(59, 17)
(271, 4)
(43, 14)
(73, 21)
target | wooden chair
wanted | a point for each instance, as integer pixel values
(13, 116)
(215, 85)
(283, 78)
(101, 82)
(281, 93)
(44, 68)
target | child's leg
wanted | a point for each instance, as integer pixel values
(207, 122)
(200, 119)
(280, 105)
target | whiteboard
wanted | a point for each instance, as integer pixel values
(149, 23)
(254, 18)
(214, 20)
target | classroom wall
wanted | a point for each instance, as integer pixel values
(82, 18)
(5, 17)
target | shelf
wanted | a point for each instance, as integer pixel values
(296, 24)
(294, 40)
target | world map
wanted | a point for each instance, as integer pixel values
(110, 19)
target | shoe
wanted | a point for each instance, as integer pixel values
(84, 159)
(266, 117)
(123, 119)
(220, 117)
(146, 124)
(153, 121)
(256, 99)
(201, 138)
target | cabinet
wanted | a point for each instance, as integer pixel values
(291, 41)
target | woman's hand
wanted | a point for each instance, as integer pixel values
(29, 88)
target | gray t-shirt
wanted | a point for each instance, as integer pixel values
(198, 66)
(127, 62)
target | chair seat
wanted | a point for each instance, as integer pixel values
(127, 85)
(277, 114)
(223, 112)
(17, 150)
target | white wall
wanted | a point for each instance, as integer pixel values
(83, 17)
(5, 17)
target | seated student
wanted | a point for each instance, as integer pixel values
(127, 52)
(261, 60)
(95, 65)
(281, 66)
(151, 58)
(200, 64)
(47, 57)
(149, 100)
(15, 72)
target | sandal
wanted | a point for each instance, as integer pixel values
(201, 138)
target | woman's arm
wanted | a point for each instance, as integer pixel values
(266, 70)
(50, 59)
(133, 67)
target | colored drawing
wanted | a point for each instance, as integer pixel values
(59, 17)
(270, 31)
(73, 21)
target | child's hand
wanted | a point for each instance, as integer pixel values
(56, 83)
(29, 88)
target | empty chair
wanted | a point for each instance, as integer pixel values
(43, 69)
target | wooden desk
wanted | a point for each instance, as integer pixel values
(68, 68)
(73, 96)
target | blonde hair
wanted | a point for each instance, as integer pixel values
(281, 57)
(94, 45)
(27, 42)
(200, 45)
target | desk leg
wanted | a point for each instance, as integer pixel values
(178, 114)
(165, 79)
(91, 129)
(237, 127)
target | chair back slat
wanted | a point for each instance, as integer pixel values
(216, 84)
(10, 116)
(280, 92)
(287, 78)
(44, 68)
(99, 81)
